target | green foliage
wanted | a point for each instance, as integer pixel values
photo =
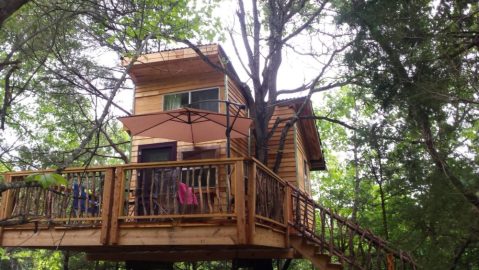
(47, 180)
(423, 211)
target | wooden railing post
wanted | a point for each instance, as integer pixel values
(251, 230)
(288, 208)
(240, 200)
(117, 207)
(106, 211)
(7, 203)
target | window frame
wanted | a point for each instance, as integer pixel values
(189, 96)
(171, 145)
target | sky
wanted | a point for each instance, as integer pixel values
(296, 69)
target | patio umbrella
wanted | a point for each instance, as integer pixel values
(187, 124)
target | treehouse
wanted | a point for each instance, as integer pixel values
(189, 193)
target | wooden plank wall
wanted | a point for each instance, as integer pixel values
(301, 157)
(294, 154)
(239, 146)
(288, 165)
(149, 99)
(149, 95)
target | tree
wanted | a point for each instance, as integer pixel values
(414, 66)
(58, 100)
(423, 215)
(7, 8)
(268, 30)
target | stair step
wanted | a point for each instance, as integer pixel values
(324, 257)
(335, 266)
(311, 243)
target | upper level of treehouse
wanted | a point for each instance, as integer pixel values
(172, 79)
(187, 201)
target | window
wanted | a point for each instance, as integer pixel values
(207, 179)
(195, 98)
(157, 152)
(201, 153)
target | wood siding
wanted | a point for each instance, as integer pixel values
(239, 146)
(301, 157)
(287, 169)
(149, 98)
(294, 154)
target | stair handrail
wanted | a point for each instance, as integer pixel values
(377, 241)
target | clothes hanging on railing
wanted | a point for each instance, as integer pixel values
(186, 195)
(80, 198)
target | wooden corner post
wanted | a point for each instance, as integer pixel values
(240, 201)
(7, 204)
(117, 207)
(106, 210)
(251, 202)
(287, 211)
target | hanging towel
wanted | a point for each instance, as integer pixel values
(186, 195)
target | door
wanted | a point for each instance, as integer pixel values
(155, 185)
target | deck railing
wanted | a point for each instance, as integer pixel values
(78, 202)
(229, 191)
(181, 189)
(237, 192)
(352, 246)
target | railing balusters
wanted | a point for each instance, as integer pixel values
(217, 185)
(87, 194)
(152, 193)
(341, 232)
(200, 189)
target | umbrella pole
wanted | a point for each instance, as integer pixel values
(228, 154)
(228, 131)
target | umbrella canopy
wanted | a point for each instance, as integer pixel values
(186, 124)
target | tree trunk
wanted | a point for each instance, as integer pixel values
(356, 180)
(439, 159)
(383, 210)
(7, 8)
(253, 264)
(144, 265)
(66, 259)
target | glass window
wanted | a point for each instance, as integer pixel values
(205, 179)
(195, 98)
(200, 153)
(155, 154)
(175, 101)
(204, 95)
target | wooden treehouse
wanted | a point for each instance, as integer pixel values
(183, 201)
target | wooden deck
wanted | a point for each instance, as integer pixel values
(138, 207)
(188, 211)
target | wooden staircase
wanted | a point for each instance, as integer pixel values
(332, 242)
(311, 251)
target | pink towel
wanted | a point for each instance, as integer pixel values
(186, 195)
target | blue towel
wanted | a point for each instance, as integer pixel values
(79, 197)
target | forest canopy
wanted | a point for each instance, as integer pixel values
(395, 86)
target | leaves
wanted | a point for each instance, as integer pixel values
(47, 180)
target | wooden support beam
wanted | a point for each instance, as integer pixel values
(52, 238)
(194, 255)
(106, 211)
(240, 200)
